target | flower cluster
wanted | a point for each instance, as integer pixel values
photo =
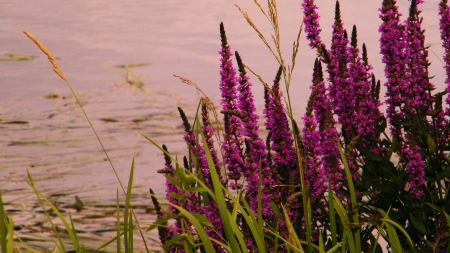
(401, 155)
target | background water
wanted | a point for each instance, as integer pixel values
(43, 130)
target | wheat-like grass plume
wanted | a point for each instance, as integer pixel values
(51, 59)
(250, 22)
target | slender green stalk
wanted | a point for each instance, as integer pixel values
(3, 225)
(332, 216)
(127, 225)
(119, 246)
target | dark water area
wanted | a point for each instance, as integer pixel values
(43, 130)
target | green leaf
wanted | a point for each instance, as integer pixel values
(445, 173)
(198, 226)
(203, 220)
(160, 222)
(393, 237)
(174, 181)
(196, 189)
(371, 155)
(431, 144)
(418, 224)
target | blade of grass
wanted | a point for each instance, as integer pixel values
(292, 235)
(10, 248)
(321, 246)
(199, 228)
(81, 248)
(126, 214)
(394, 242)
(220, 198)
(260, 218)
(56, 211)
(380, 229)
(119, 247)
(3, 225)
(351, 189)
(332, 216)
(346, 233)
(399, 227)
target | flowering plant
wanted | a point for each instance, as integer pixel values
(379, 172)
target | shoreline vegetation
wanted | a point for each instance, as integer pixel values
(353, 179)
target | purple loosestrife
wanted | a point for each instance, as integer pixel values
(162, 230)
(171, 189)
(228, 83)
(332, 168)
(441, 121)
(444, 25)
(393, 45)
(414, 169)
(280, 137)
(208, 131)
(281, 142)
(339, 90)
(312, 26)
(314, 174)
(257, 155)
(365, 107)
(418, 94)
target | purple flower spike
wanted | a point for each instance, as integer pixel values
(257, 155)
(417, 95)
(277, 124)
(414, 169)
(444, 12)
(314, 176)
(312, 27)
(281, 141)
(320, 140)
(231, 144)
(393, 45)
(339, 90)
(365, 107)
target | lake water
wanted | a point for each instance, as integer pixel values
(44, 131)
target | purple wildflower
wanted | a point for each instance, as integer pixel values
(257, 149)
(444, 25)
(414, 169)
(365, 109)
(393, 44)
(231, 144)
(208, 132)
(312, 27)
(314, 174)
(171, 189)
(280, 137)
(417, 95)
